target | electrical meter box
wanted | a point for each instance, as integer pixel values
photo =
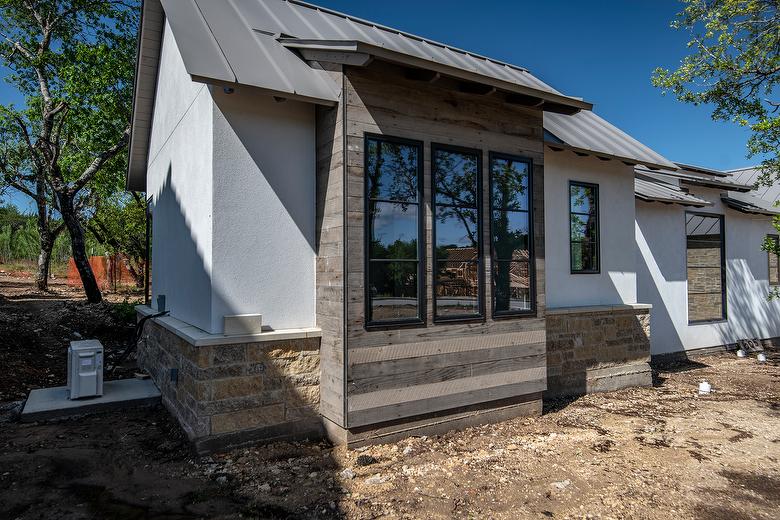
(85, 369)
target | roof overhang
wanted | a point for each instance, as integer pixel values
(700, 177)
(749, 204)
(359, 53)
(652, 189)
(147, 62)
(585, 133)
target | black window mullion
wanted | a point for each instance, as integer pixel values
(591, 224)
(394, 279)
(705, 231)
(511, 192)
(441, 313)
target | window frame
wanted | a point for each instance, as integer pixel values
(723, 294)
(595, 188)
(769, 254)
(532, 312)
(480, 316)
(369, 323)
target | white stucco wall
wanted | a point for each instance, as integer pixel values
(662, 277)
(616, 283)
(179, 180)
(264, 209)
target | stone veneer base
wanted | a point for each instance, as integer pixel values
(228, 395)
(597, 349)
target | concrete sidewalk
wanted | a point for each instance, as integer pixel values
(53, 403)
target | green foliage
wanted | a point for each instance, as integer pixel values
(734, 65)
(73, 61)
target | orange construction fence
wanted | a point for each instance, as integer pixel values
(110, 272)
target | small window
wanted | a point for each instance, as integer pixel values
(457, 252)
(393, 261)
(584, 227)
(511, 235)
(774, 260)
(706, 267)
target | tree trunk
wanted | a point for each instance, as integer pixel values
(46, 244)
(44, 262)
(79, 249)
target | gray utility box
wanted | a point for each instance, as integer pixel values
(85, 369)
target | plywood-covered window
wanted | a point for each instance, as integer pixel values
(584, 227)
(457, 251)
(774, 260)
(706, 267)
(394, 285)
(511, 235)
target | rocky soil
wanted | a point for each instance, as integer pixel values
(660, 452)
(36, 328)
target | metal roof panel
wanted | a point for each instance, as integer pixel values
(588, 132)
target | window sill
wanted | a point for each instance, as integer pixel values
(708, 322)
(393, 325)
(458, 319)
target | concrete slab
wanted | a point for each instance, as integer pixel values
(53, 403)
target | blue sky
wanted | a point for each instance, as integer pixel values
(602, 51)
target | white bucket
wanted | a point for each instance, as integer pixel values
(761, 357)
(704, 388)
(741, 353)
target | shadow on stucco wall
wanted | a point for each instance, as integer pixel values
(237, 393)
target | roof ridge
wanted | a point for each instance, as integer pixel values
(755, 167)
(404, 33)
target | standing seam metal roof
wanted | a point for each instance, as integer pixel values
(654, 190)
(237, 41)
(585, 131)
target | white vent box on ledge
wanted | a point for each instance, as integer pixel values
(243, 324)
(85, 369)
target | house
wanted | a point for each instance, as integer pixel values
(700, 261)
(363, 233)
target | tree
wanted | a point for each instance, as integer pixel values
(734, 66)
(119, 225)
(73, 62)
(18, 173)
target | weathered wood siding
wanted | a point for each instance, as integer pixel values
(330, 256)
(404, 372)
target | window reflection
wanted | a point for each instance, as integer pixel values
(511, 235)
(457, 263)
(392, 188)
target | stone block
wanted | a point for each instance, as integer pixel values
(236, 387)
(228, 354)
(246, 419)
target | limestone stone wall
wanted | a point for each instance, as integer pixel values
(597, 349)
(226, 395)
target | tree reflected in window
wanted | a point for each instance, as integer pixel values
(393, 196)
(584, 227)
(457, 285)
(511, 239)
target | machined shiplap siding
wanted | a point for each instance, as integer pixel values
(406, 372)
(330, 257)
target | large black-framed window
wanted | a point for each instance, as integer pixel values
(584, 237)
(456, 177)
(394, 269)
(773, 260)
(511, 235)
(706, 267)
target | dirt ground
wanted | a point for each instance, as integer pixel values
(36, 328)
(660, 452)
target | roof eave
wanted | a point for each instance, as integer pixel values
(144, 84)
(555, 145)
(551, 101)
